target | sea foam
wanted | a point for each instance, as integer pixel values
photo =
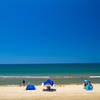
(94, 76)
(20, 77)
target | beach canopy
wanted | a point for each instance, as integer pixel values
(30, 87)
(48, 81)
(88, 87)
(86, 81)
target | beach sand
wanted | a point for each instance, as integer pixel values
(67, 92)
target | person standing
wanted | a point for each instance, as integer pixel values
(23, 82)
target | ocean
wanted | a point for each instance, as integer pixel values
(13, 74)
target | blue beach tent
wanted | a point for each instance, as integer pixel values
(30, 87)
(88, 87)
(48, 81)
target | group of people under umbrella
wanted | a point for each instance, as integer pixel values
(87, 85)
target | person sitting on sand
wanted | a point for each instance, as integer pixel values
(91, 85)
(85, 84)
(19, 84)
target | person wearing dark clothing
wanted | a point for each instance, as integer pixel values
(23, 82)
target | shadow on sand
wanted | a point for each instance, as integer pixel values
(51, 90)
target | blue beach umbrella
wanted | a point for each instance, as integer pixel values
(48, 81)
(86, 81)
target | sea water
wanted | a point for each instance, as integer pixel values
(13, 74)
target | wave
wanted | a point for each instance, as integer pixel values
(33, 77)
(94, 76)
(41, 77)
(20, 77)
(66, 77)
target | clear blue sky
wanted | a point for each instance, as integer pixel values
(49, 31)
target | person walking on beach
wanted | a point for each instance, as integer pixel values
(23, 82)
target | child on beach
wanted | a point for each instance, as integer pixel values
(19, 84)
(85, 84)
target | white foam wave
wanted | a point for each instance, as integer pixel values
(24, 77)
(57, 77)
(66, 76)
(94, 76)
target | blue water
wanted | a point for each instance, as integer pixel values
(49, 69)
(11, 73)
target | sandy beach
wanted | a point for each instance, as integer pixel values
(67, 92)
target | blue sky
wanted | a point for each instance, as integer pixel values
(49, 31)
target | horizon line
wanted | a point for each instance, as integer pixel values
(46, 63)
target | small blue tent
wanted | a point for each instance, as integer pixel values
(30, 87)
(88, 87)
(48, 81)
